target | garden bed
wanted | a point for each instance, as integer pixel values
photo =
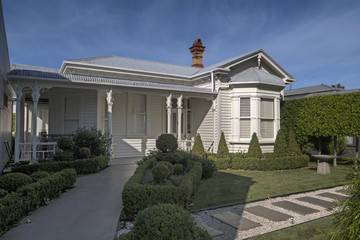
(19, 202)
(137, 196)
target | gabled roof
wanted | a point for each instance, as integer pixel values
(170, 69)
(256, 75)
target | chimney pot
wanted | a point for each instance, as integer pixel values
(197, 50)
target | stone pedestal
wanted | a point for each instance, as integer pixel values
(323, 168)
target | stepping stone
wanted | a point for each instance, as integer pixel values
(212, 231)
(342, 191)
(268, 213)
(294, 207)
(333, 196)
(318, 202)
(236, 221)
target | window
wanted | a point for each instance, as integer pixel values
(245, 126)
(137, 115)
(71, 114)
(267, 118)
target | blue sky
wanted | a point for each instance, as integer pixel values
(316, 41)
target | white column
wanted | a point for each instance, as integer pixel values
(110, 102)
(35, 96)
(19, 94)
(179, 107)
(236, 118)
(255, 114)
(277, 115)
(168, 109)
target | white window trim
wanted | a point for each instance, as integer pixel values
(130, 130)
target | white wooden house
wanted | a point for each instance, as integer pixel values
(6, 95)
(137, 100)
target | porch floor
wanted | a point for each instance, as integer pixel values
(90, 210)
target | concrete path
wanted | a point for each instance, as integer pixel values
(89, 211)
(244, 221)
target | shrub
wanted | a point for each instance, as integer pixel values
(17, 204)
(178, 169)
(12, 181)
(166, 221)
(293, 147)
(36, 176)
(254, 148)
(92, 139)
(137, 196)
(161, 172)
(347, 216)
(271, 163)
(221, 163)
(166, 143)
(84, 152)
(63, 156)
(222, 148)
(280, 146)
(208, 167)
(198, 148)
(65, 143)
(82, 166)
(171, 157)
(3, 193)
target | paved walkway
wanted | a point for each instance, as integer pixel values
(244, 221)
(89, 211)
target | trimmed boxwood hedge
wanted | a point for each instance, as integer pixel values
(81, 166)
(15, 205)
(137, 196)
(262, 164)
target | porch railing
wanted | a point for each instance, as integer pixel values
(44, 151)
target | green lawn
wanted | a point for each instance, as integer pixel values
(227, 187)
(314, 230)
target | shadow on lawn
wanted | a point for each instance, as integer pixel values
(226, 191)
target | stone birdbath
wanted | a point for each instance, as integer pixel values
(323, 166)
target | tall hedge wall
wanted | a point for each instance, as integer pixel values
(322, 116)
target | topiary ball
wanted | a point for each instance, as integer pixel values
(167, 221)
(166, 143)
(178, 169)
(65, 143)
(84, 152)
(161, 172)
(12, 181)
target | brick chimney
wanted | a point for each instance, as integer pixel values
(197, 50)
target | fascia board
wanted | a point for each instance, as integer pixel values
(50, 81)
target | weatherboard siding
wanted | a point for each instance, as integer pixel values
(87, 108)
(203, 120)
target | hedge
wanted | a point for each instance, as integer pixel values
(137, 196)
(262, 164)
(81, 166)
(15, 205)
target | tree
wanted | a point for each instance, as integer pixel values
(254, 148)
(222, 148)
(198, 147)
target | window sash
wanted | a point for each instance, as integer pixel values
(267, 108)
(137, 119)
(245, 128)
(267, 128)
(245, 107)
